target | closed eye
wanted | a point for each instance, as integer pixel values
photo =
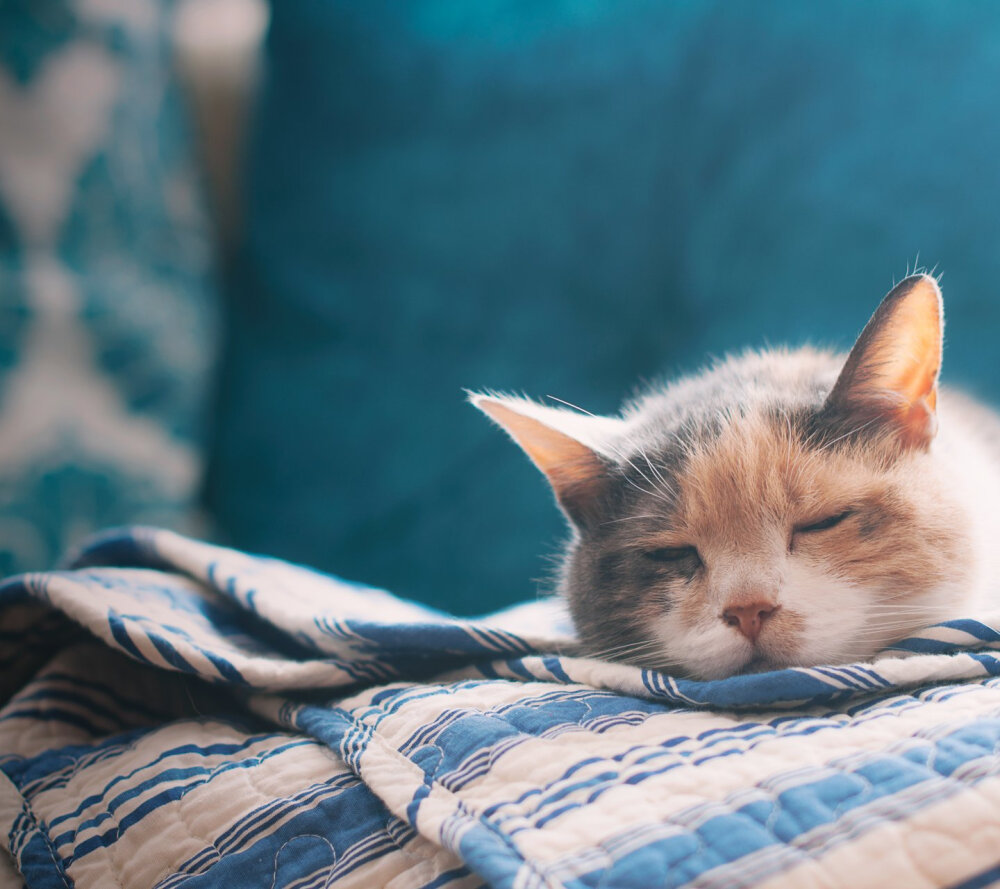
(673, 554)
(823, 524)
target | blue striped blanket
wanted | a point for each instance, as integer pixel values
(178, 714)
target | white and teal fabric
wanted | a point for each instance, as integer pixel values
(105, 319)
(175, 713)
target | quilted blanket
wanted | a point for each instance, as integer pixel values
(178, 714)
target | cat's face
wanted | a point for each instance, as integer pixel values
(784, 508)
(757, 548)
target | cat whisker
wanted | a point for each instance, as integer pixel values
(575, 407)
(641, 488)
(624, 646)
(905, 597)
(628, 650)
(631, 518)
(619, 454)
(659, 476)
(886, 637)
(853, 431)
(892, 621)
(656, 472)
(912, 624)
(894, 617)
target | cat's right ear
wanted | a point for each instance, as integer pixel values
(564, 445)
(891, 375)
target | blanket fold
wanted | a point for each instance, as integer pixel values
(180, 713)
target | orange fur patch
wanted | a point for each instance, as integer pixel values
(743, 495)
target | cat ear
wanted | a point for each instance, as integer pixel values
(564, 445)
(892, 371)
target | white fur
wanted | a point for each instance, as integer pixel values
(840, 621)
(600, 434)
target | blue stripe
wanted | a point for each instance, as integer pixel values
(348, 820)
(38, 863)
(988, 877)
(458, 873)
(974, 628)
(115, 717)
(989, 662)
(715, 840)
(203, 751)
(170, 794)
(167, 650)
(249, 829)
(261, 819)
(554, 666)
(115, 694)
(122, 547)
(121, 636)
(175, 659)
(57, 714)
(38, 770)
(879, 773)
(747, 735)
(875, 677)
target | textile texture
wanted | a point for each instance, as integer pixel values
(177, 713)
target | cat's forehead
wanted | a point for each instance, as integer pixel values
(741, 489)
(760, 464)
(739, 447)
(781, 382)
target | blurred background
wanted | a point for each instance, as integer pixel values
(251, 255)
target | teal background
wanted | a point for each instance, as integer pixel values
(565, 199)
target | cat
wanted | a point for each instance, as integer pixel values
(780, 508)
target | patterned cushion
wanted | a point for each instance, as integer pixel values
(105, 317)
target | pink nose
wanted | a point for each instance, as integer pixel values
(749, 619)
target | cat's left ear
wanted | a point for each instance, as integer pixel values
(566, 446)
(892, 371)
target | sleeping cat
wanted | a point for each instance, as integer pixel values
(779, 508)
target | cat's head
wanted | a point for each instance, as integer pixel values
(780, 508)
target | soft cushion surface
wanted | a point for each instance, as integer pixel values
(565, 199)
(105, 316)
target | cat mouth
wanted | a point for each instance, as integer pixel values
(759, 664)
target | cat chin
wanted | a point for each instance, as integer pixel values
(704, 653)
(751, 664)
(761, 665)
(808, 630)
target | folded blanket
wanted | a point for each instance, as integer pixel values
(178, 713)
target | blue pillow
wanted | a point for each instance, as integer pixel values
(105, 310)
(564, 198)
